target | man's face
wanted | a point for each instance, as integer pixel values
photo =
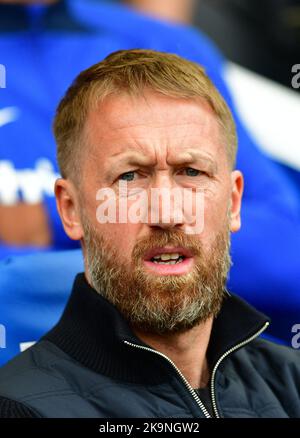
(156, 142)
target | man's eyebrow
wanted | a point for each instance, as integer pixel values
(185, 156)
(118, 160)
(190, 157)
(137, 159)
(131, 157)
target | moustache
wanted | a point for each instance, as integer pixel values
(167, 238)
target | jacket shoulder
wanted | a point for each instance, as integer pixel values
(275, 363)
(275, 369)
(271, 354)
(33, 372)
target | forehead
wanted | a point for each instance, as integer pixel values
(152, 124)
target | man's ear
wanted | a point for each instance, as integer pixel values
(237, 187)
(68, 208)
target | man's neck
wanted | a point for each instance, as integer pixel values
(186, 350)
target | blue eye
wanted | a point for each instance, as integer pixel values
(127, 176)
(192, 172)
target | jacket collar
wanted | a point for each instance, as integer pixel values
(58, 16)
(92, 331)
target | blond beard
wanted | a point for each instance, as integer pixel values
(159, 304)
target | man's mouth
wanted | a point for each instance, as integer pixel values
(168, 261)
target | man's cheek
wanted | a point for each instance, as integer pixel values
(122, 235)
(211, 217)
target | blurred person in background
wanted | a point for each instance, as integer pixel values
(178, 11)
(263, 45)
(263, 36)
(43, 47)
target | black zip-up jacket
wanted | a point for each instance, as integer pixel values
(92, 365)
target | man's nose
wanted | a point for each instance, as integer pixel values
(165, 204)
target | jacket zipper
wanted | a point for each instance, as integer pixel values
(189, 387)
(231, 350)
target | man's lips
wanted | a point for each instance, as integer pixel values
(183, 267)
(168, 250)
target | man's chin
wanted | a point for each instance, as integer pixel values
(167, 328)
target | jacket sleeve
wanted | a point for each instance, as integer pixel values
(13, 409)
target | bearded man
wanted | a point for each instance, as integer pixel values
(150, 329)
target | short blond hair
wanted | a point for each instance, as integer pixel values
(133, 71)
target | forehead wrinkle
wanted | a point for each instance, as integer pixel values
(147, 150)
(159, 125)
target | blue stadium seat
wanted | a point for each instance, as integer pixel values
(33, 292)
